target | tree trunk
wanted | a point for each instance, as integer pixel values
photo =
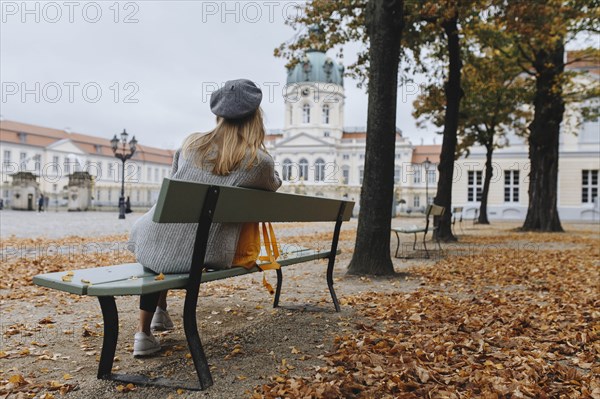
(372, 249)
(542, 213)
(453, 95)
(489, 171)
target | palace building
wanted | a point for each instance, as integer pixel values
(315, 154)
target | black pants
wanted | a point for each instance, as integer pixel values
(148, 302)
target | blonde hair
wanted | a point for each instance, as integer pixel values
(227, 144)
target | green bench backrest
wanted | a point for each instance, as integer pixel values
(181, 202)
(434, 210)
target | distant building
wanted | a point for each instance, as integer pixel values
(316, 155)
(579, 162)
(52, 155)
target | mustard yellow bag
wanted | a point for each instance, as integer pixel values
(248, 250)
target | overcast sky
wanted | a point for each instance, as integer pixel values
(155, 63)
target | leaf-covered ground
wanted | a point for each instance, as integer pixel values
(500, 315)
(499, 323)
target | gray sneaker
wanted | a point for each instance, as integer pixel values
(145, 344)
(161, 320)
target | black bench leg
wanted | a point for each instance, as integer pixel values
(193, 339)
(330, 282)
(397, 244)
(278, 289)
(425, 245)
(111, 334)
(334, 245)
(415, 242)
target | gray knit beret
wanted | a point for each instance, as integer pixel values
(236, 99)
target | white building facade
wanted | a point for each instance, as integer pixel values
(316, 155)
(52, 155)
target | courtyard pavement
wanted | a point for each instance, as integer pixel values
(52, 224)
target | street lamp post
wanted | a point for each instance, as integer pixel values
(427, 165)
(124, 154)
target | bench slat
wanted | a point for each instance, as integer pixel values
(96, 275)
(148, 284)
(117, 280)
(409, 229)
(238, 204)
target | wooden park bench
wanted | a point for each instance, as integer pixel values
(185, 202)
(432, 210)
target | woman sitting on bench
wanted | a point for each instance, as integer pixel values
(232, 154)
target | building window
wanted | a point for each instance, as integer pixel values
(111, 172)
(361, 175)
(37, 162)
(429, 200)
(326, 114)
(23, 160)
(306, 113)
(346, 157)
(417, 175)
(474, 186)
(303, 169)
(326, 134)
(417, 201)
(67, 166)
(320, 170)
(589, 186)
(397, 174)
(23, 138)
(511, 186)
(149, 174)
(431, 176)
(55, 164)
(345, 174)
(6, 157)
(109, 193)
(291, 115)
(286, 170)
(98, 196)
(138, 175)
(155, 174)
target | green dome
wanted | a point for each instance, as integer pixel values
(316, 66)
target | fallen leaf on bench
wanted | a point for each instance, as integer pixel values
(69, 273)
(84, 281)
(67, 278)
(159, 277)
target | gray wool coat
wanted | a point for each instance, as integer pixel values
(167, 247)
